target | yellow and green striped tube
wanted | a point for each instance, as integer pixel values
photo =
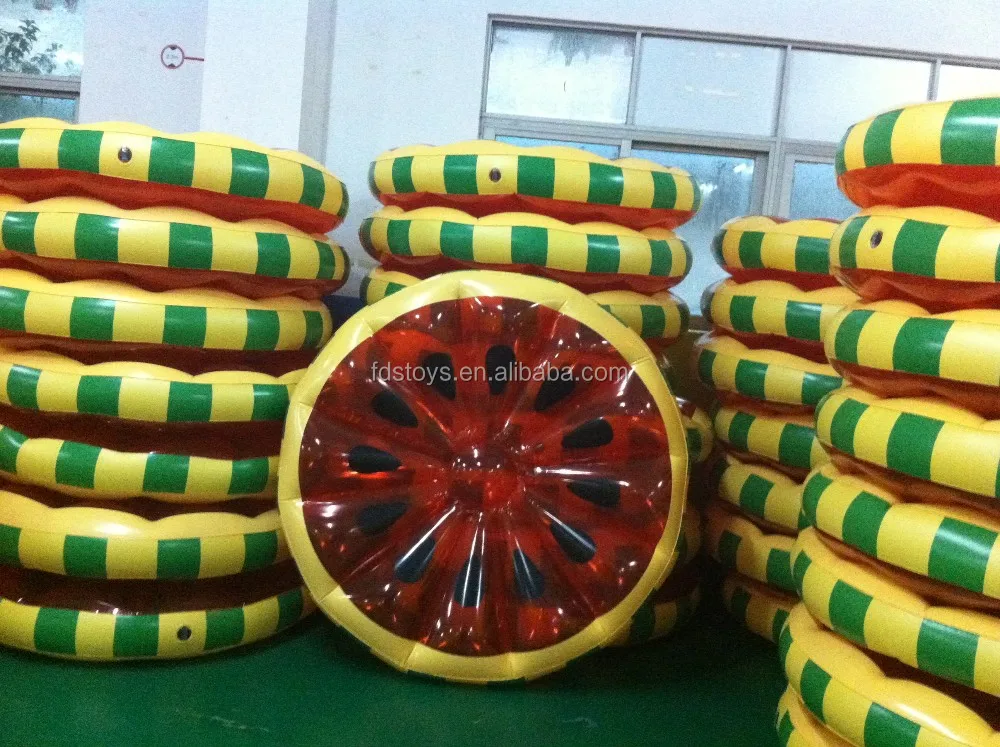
(759, 242)
(114, 312)
(48, 382)
(863, 606)
(102, 636)
(726, 364)
(107, 543)
(658, 316)
(657, 619)
(771, 307)
(689, 541)
(760, 608)
(951, 544)
(525, 239)
(847, 692)
(898, 336)
(737, 544)
(487, 167)
(177, 238)
(797, 727)
(938, 133)
(788, 440)
(759, 492)
(920, 437)
(207, 161)
(700, 437)
(932, 242)
(87, 471)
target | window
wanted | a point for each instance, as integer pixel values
(41, 55)
(756, 122)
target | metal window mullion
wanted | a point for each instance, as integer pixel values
(774, 177)
(932, 84)
(633, 81)
(39, 84)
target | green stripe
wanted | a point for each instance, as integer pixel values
(18, 232)
(402, 175)
(10, 140)
(92, 319)
(779, 570)
(313, 187)
(739, 430)
(812, 493)
(189, 246)
(250, 175)
(661, 257)
(10, 542)
(812, 255)
(274, 255)
(960, 554)
(778, 623)
(848, 608)
(224, 628)
(750, 249)
(844, 423)
(665, 191)
(270, 402)
(795, 445)
(883, 728)
(10, 444)
(261, 550)
(263, 329)
(171, 162)
(178, 558)
(863, 521)
(314, 329)
(848, 333)
(136, 635)
(460, 175)
(290, 607)
(969, 135)
(327, 261)
(397, 236)
(186, 325)
(816, 386)
(947, 652)
(802, 320)
(603, 253)
(915, 249)
(22, 387)
(86, 557)
(878, 140)
(166, 473)
(750, 377)
(812, 688)
(96, 238)
(754, 493)
(706, 360)
(654, 320)
(98, 395)
(456, 241)
(76, 464)
(12, 303)
(643, 623)
(189, 402)
(55, 631)
(918, 345)
(607, 184)
(911, 445)
(738, 602)
(529, 245)
(741, 313)
(249, 476)
(729, 545)
(785, 729)
(536, 176)
(80, 150)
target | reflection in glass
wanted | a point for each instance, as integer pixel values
(726, 184)
(829, 91)
(600, 149)
(815, 193)
(14, 106)
(961, 81)
(707, 86)
(41, 37)
(559, 73)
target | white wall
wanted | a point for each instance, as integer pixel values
(123, 78)
(410, 71)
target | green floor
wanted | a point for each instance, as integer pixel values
(712, 684)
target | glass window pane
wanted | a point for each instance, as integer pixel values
(707, 87)
(828, 92)
(959, 82)
(559, 73)
(601, 149)
(815, 193)
(14, 106)
(41, 38)
(727, 189)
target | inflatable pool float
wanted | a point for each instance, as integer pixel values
(48, 382)
(760, 247)
(96, 620)
(69, 454)
(797, 727)
(588, 256)
(134, 166)
(898, 349)
(773, 314)
(930, 255)
(667, 609)
(785, 442)
(785, 382)
(698, 427)
(761, 493)
(484, 176)
(73, 238)
(45, 531)
(863, 603)
(919, 448)
(948, 544)
(114, 312)
(760, 608)
(739, 545)
(395, 474)
(659, 318)
(872, 702)
(936, 153)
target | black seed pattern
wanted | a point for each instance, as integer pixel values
(377, 517)
(368, 459)
(439, 372)
(391, 406)
(577, 545)
(590, 435)
(499, 358)
(556, 387)
(600, 492)
(410, 568)
(469, 585)
(529, 580)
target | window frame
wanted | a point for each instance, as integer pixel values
(46, 86)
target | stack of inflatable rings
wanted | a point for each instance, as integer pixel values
(897, 640)
(764, 362)
(159, 298)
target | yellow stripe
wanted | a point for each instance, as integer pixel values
(383, 177)
(46, 314)
(506, 165)
(492, 245)
(221, 556)
(916, 134)
(854, 146)
(129, 559)
(637, 188)
(138, 322)
(39, 148)
(137, 167)
(144, 242)
(285, 180)
(95, 636)
(171, 644)
(55, 235)
(572, 180)
(236, 251)
(42, 550)
(213, 168)
(424, 237)
(17, 624)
